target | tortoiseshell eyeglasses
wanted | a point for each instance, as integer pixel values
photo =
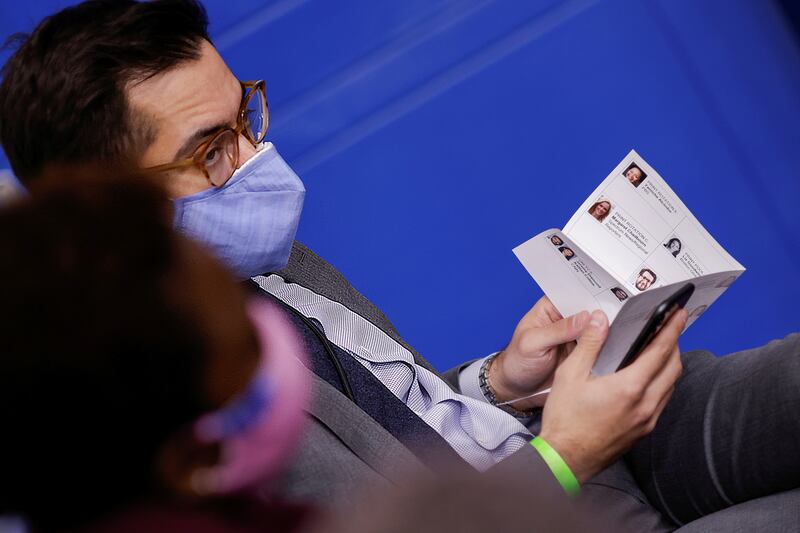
(218, 157)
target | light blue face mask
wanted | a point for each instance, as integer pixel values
(250, 222)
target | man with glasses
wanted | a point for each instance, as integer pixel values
(124, 83)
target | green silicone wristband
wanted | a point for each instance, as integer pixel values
(557, 465)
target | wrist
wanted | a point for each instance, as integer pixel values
(490, 394)
(496, 373)
(558, 466)
(567, 453)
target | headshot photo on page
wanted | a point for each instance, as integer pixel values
(645, 279)
(600, 209)
(674, 246)
(566, 252)
(634, 174)
(556, 240)
(620, 294)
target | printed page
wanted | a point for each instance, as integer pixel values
(568, 276)
(629, 246)
(640, 232)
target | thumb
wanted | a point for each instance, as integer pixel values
(554, 334)
(590, 343)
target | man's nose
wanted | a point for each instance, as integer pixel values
(246, 149)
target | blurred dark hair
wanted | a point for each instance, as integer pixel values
(63, 98)
(99, 364)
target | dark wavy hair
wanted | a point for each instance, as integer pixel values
(63, 93)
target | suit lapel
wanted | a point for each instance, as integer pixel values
(361, 433)
(309, 270)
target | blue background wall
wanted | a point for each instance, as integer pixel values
(435, 135)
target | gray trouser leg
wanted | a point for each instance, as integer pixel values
(731, 433)
(613, 497)
(779, 512)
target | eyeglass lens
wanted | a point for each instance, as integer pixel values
(221, 157)
(256, 117)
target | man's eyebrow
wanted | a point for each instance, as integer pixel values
(190, 145)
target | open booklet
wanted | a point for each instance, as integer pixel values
(627, 248)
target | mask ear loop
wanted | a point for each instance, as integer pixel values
(545, 391)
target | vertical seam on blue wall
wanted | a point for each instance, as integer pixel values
(735, 146)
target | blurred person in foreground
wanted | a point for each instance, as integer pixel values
(141, 83)
(140, 390)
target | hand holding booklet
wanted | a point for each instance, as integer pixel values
(630, 246)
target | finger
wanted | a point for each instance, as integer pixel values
(564, 350)
(547, 307)
(541, 314)
(665, 381)
(555, 334)
(583, 357)
(653, 422)
(655, 355)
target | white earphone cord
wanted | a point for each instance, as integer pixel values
(545, 391)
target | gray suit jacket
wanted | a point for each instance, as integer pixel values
(344, 451)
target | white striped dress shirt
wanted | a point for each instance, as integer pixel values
(479, 432)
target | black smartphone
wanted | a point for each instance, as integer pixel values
(657, 320)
